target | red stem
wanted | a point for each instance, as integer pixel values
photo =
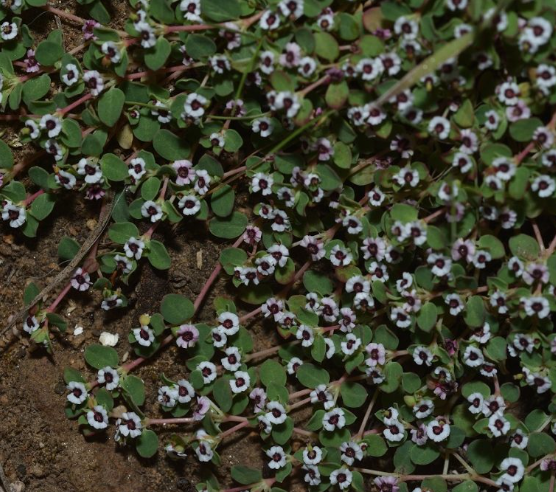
(31, 198)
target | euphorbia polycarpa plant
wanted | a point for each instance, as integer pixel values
(399, 161)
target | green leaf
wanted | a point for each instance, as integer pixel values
(176, 308)
(404, 213)
(426, 320)
(229, 227)
(393, 373)
(158, 255)
(311, 376)
(336, 95)
(219, 11)
(39, 176)
(522, 130)
(42, 206)
(71, 374)
(353, 394)
(376, 445)
(99, 356)
(424, 455)
(493, 245)
(245, 475)
(113, 168)
(465, 115)
(48, 53)
(6, 156)
(67, 248)
(36, 88)
(540, 444)
(326, 46)
(147, 444)
(342, 155)
(150, 188)
(110, 106)
(170, 146)
(481, 455)
(120, 232)
(475, 312)
(317, 282)
(198, 46)
(272, 371)
(135, 388)
(156, 57)
(222, 201)
(31, 291)
(223, 394)
(524, 247)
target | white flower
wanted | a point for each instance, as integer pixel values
(276, 413)
(334, 419)
(473, 357)
(185, 391)
(136, 168)
(454, 5)
(341, 477)
(143, 335)
(312, 456)
(508, 93)
(538, 30)
(134, 248)
(191, 9)
(14, 214)
(81, 280)
(94, 82)
(91, 171)
(369, 68)
(71, 75)
(51, 124)
(111, 50)
(108, 339)
(194, 105)
(167, 396)
(408, 28)
(544, 186)
(307, 66)
(269, 21)
(8, 30)
(293, 365)
(438, 430)
(202, 181)
(277, 457)
(219, 63)
(394, 432)
(546, 76)
(204, 451)
(289, 102)
(262, 182)
(351, 344)
(97, 417)
(263, 126)
(129, 425)
(109, 377)
(351, 451)
(151, 210)
(538, 306)
(340, 256)
(423, 409)
(241, 382)
(77, 393)
(492, 120)
(208, 371)
(305, 334)
(146, 34)
(513, 468)
(406, 176)
(291, 8)
(422, 355)
(229, 323)
(232, 361)
(519, 439)
(31, 324)
(111, 302)
(187, 336)
(477, 402)
(65, 179)
(440, 127)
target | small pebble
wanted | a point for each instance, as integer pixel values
(78, 330)
(108, 339)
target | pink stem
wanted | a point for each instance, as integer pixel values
(300, 403)
(250, 315)
(65, 15)
(140, 75)
(74, 104)
(234, 171)
(31, 198)
(233, 429)
(184, 420)
(192, 28)
(59, 299)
